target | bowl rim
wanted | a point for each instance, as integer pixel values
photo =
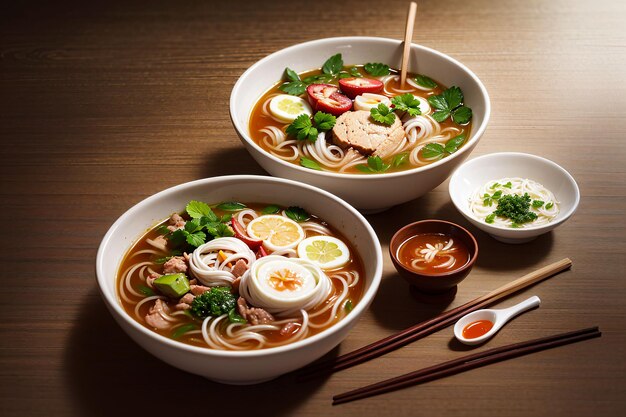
(115, 306)
(456, 177)
(397, 261)
(475, 136)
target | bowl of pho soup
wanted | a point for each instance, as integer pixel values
(239, 279)
(332, 113)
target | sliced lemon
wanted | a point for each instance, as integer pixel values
(287, 108)
(326, 251)
(276, 232)
(368, 101)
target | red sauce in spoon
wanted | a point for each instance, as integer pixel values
(476, 329)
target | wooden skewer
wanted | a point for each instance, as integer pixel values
(423, 329)
(408, 36)
(466, 363)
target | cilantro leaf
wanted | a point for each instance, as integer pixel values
(231, 206)
(302, 128)
(344, 74)
(223, 230)
(462, 115)
(291, 75)
(489, 219)
(195, 239)
(508, 185)
(183, 329)
(319, 78)
(376, 69)
(441, 115)
(433, 150)
(439, 102)
(408, 103)
(450, 102)
(297, 214)
(333, 65)
(376, 164)
(197, 209)
(383, 114)
(193, 225)
(537, 203)
(400, 159)
(354, 71)
(309, 163)
(147, 291)
(425, 81)
(324, 121)
(453, 144)
(453, 97)
(549, 206)
(271, 209)
(295, 88)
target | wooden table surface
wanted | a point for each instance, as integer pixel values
(102, 105)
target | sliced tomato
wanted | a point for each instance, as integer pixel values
(241, 235)
(336, 104)
(317, 92)
(261, 253)
(355, 86)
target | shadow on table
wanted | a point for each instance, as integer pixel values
(231, 161)
(108, 374)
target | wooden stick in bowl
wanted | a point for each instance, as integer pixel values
(408, 36)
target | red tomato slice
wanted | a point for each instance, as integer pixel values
(355, 86)
(241, 235)
(336, 104)
(261, 253)
(316, 92)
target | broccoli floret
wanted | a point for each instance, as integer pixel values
(214, 303)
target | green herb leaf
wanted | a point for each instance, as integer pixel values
(183, 329)
(195, 239)
(537, 203)
(489, 219)
(347, 306)
(376, 164)
(508, 185)
(400, 159)
(497, 195)
(354, 71)
(343, 74)
(161, 261)
(549, 206)
(309, 163)
(163, 230)
(433, 150)
(295, 88)
(425, 81)
(234, 317)
(231, 206)
(324, 121)
(147, 291)
(462, 115)
(494, 186)
(408, 103)
(297, 214)
(441, 115)
(439, 102)
(453, 144)
(197, 209)
(291, 75)
(302, 128)
(224, 230)
(319, 78)
(376, 69)
(271, 209)
(192, 225)
(177, 237)
(383, 114)
(333, 65)
(364, 168)
(453, 97)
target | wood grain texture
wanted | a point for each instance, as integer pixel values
(104, 104)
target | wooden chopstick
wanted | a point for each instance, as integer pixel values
(408, 36)
(466, 363)
(425, 328)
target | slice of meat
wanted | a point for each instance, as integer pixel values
(185, 301)
(234, 289)
(175, 222)
(154, 318)
(198, 289)
(175, 265)
(357, 130)
(240, 268)
(253, 314)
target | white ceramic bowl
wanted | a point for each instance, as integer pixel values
(392, 188)
(230, 366)
(475, 173)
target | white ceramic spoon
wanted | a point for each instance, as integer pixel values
(497, 317)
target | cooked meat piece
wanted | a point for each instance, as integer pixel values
(198, 289)
(253, 314)
(175, 265)
(240, 268)
(357, 130)
(289, 328)
(235, 285)
(183, 306)
(176, 222)
(150, 279)
(154, 318)
(193, 281)
(185, 301)
(160, 242)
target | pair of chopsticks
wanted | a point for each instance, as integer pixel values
(466, 363)
(420, 330)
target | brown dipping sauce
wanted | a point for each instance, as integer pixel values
(433, 253)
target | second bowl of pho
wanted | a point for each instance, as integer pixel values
(514, 197)
(239, 279)
(332, 113)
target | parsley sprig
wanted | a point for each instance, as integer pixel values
(408, 103)
(383, 114)
(303, 128)
(450, 103)
(332, 70)
(374, 165)
(437, 150)
(204, 225)
(376, 69)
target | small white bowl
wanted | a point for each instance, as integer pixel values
(356, 189)
(475, 173)
(234, 367)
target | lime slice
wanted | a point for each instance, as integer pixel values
(326, 251)
(276, 232)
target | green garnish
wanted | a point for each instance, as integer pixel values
(374, 164)
(234, 317)
(549, 206)
(213, 303)
(319, 78)
(333, 65)
(183, 329)
(489, 219)
(450, 103)
(437, 150)
(271, 209)
(354, 71)
(147, 291)
(495, 185)
(400, 159)
(383, 114)
(376, 69)
(425, 81)
(302, 128)
(198, 209)
(488, 200)
(408, 103)
(324, 121)
(231, 206)
(516, 208)
(537, 203)
(309, 163)
(348, 306)
(508, 185)
(297, 214)
(204, 225)
(294, 85)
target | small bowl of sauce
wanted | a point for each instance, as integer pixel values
(433, 255)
